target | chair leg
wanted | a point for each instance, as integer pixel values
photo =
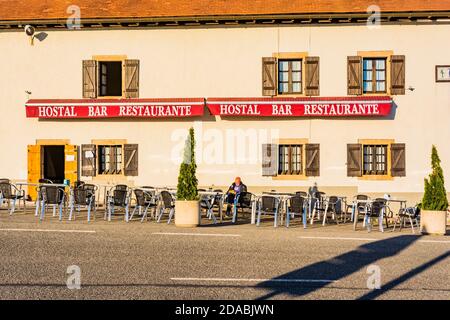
(287, 217)
(171, 212)
(258, 221)
(161, 211)
(111, 211)
(305, 222)
(412, 224)
(71, 212)
(36, 211)
(126, 214)
(275, 218)
(60, 211)
(134, 210)
(42, 210)
(89, 211)
(234, 213)
(13, 207)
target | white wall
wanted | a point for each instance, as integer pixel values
(226, 62)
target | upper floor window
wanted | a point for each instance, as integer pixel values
(110, 78)
(374, 75)
(290, 73)
(289, 76)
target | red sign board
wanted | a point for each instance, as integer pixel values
(115, 108)
(301, 107)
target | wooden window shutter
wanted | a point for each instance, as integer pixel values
(131, 70)
(398, 75)
(354, 160)
(354, 75)
(88, 160)
(89, 79)
(312, 166)
(398, 160)
(269, 160)
(269, 76)
(312, 73)
(130, 158)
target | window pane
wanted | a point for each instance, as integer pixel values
(296, 76)
(380, 64)
(283, 65)
(367, 64)
(296, 87)
(368, 75)
(296, 65)
(381, 75)
(381, 86)
(283, 87)
(283, 76)
(367, 86)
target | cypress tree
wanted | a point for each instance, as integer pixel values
(435, 196)
(187, 180)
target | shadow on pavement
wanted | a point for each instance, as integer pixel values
(323, 273)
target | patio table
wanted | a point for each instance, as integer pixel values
(354, 216)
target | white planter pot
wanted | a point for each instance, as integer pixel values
(187, 213)
(433, 222)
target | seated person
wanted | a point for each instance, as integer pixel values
(236, 188)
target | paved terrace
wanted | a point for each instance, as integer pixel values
(159, 261)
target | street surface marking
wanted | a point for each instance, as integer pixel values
(49, 230)
(252, 280)
(197, 234)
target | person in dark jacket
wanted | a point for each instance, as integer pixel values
(236, 188)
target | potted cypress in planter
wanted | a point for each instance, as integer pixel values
(433, 217)
(187, 205)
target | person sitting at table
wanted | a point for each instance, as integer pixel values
(236, 188)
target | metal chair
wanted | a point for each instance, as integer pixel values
(268, 205)
(10, 192)
(118, 196)
(243, 201)
(317, 205)
(54, 196)
(360, 207)
(167, 203)
(411, 214)
(296, 205)
(333, 208)
(83, 195)
(376, 210)
(303, 194)
(209, 201)
(145, 200)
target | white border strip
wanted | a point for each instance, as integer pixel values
(303, 102)
(49, 230)
(196, 234)
(253, 280)
(94, 104)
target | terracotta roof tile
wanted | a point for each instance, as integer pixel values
(57, 9)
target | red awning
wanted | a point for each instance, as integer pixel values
(301, 107)
(114, 108)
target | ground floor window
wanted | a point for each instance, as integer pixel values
(290, 159)
(375, 159)
(110, 159)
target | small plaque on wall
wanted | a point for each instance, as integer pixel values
(443, 73)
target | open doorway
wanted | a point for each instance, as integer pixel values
(53, 163)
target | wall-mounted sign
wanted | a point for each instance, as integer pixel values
(115, 108)
(301, 107)
(442, 73)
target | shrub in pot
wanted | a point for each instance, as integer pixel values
(433, 219)
(187, 205)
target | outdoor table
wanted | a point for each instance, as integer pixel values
(283, 198)
(212, 195)
(402, 204)
(355, 214)
(327, 201)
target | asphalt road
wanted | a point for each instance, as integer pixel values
(159, 261)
